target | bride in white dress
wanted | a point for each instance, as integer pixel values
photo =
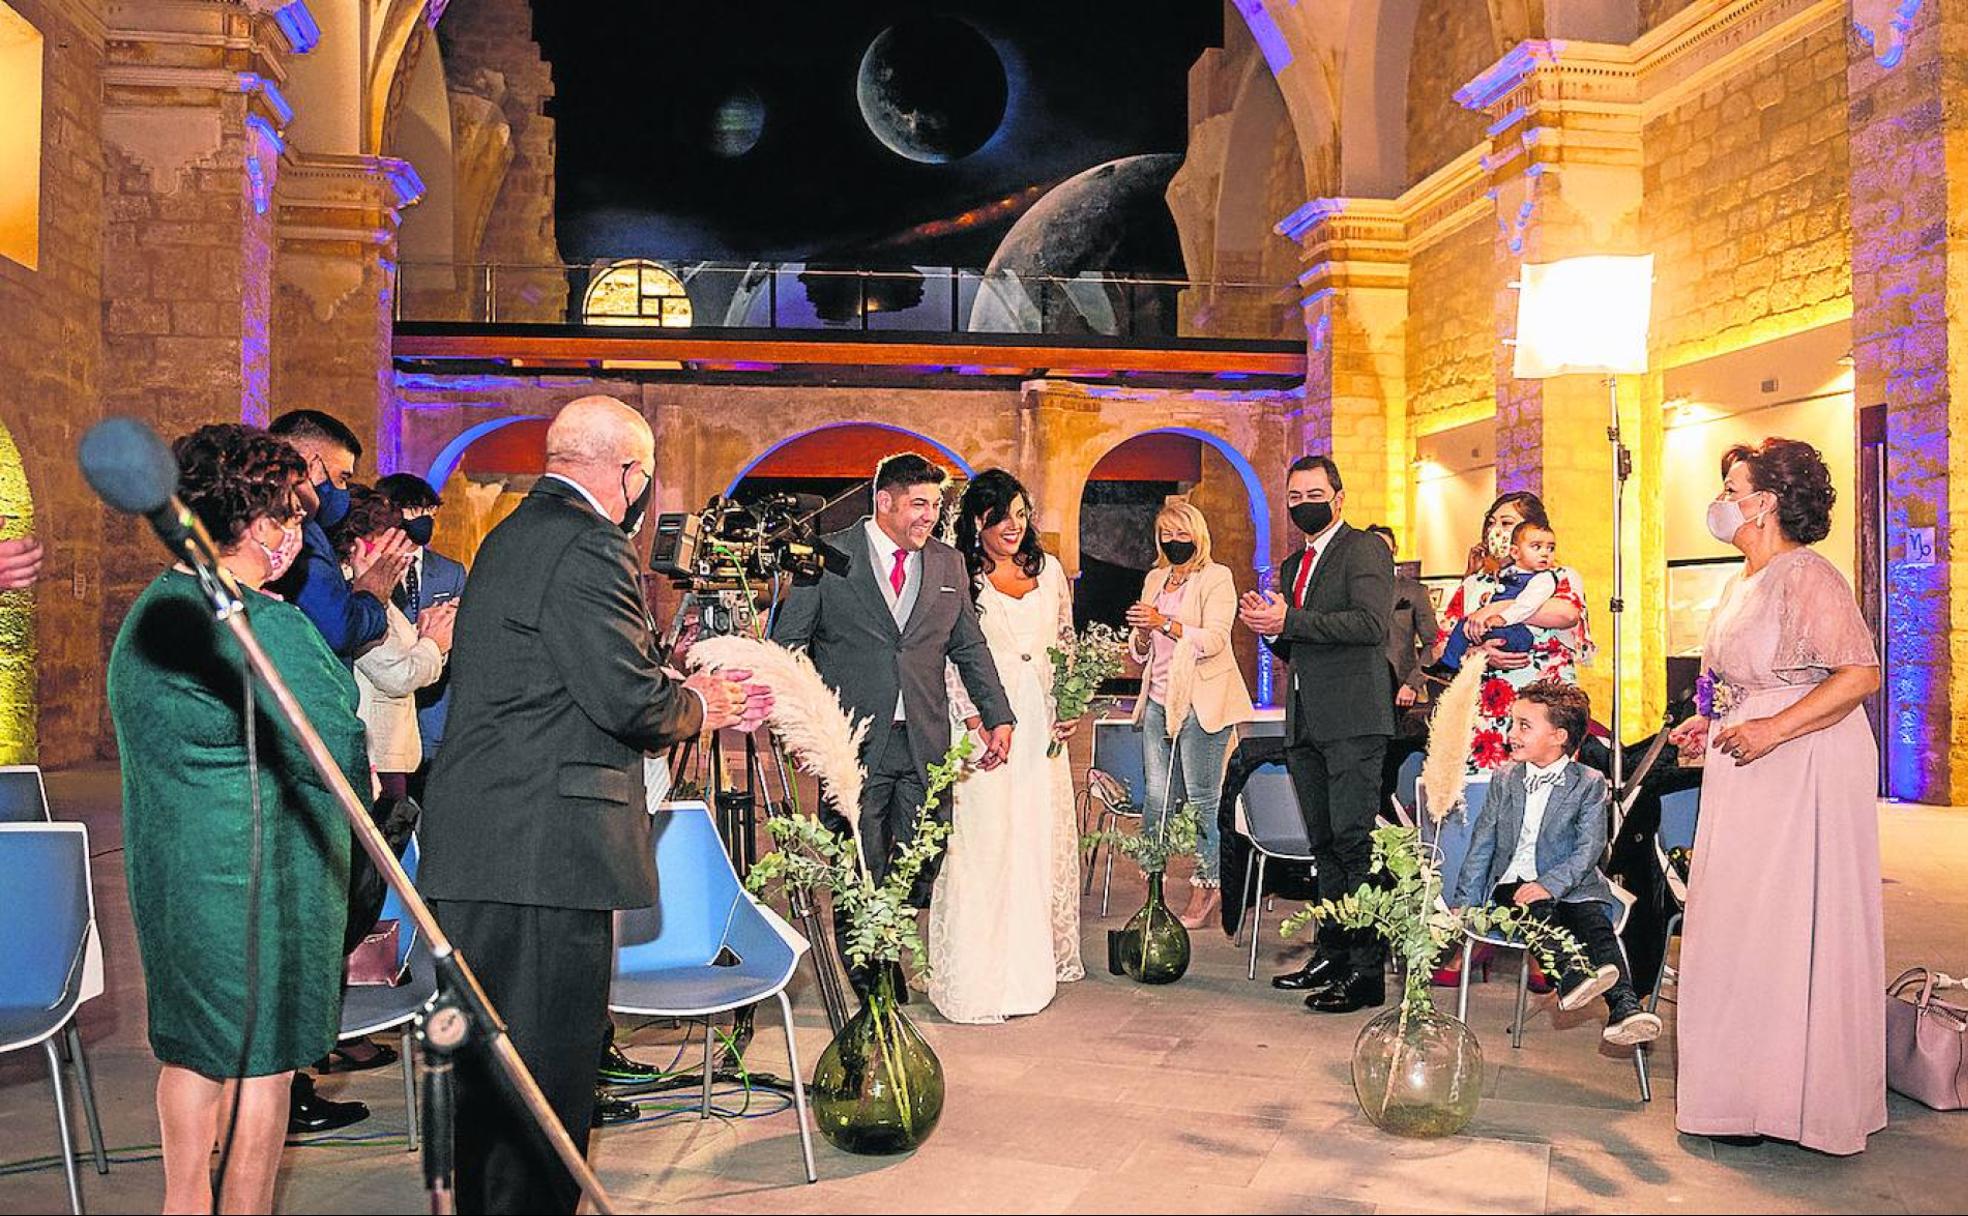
(1004, 922)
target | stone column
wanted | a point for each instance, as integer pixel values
(192, 121)
(1907, 83)
(333, 303)
(1356, 312)
(1565, 175)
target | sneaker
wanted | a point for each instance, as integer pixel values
(1629, 1024)
(1589, 989)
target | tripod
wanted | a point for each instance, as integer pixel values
(1622, 469)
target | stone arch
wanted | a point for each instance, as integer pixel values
(19, 622)
(401, 38)
(1373, 100)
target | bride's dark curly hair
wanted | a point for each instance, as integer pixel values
(987, 502)
(230, 475)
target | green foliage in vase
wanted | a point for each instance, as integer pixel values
(881, 925)
(1151, 851)
(1404, 907)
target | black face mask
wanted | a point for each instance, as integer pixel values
(1312, 518)
(419, 530)
(632, 518)
(1178, 552)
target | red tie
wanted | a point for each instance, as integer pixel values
(900, 574)
(1304, 575)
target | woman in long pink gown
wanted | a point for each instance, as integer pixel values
(1781, 1026)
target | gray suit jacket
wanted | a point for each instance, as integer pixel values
(844, 623)
(1570, 839)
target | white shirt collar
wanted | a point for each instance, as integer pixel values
(592, 500)
(885, 549)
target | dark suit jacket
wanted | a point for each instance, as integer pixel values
(843, 622)
(347, 618)
(537, 796)
(1340, 683)
(445, 578)
(1411, 632)
(1571, 837)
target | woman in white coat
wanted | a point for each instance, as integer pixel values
(406, 658)
(1192, 692)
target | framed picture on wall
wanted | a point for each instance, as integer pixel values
(1693, 588)
(1441, 588)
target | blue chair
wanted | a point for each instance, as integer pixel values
(46, 925)
(23, 797)
(1276, 827)
(670, 959)
(1116, 783)
(370, 1009)
(1680, 812)
(1451, 836)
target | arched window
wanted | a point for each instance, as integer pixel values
(636, 292)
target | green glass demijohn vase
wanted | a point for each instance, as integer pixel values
(1153, 945)
(1417, 1072)
(878, 1088)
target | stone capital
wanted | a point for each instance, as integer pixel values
(336, 220)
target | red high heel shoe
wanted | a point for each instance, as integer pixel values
(1450, 976)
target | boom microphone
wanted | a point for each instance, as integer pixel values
(130, 468)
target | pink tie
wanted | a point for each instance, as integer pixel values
(900, 574)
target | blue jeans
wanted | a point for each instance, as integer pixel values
(1199, 761)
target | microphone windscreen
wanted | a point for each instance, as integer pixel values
(128, 466)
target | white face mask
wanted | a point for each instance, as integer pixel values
(1726, 518)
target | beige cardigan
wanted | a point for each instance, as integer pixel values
(1203, 672)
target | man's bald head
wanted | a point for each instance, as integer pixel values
(602, 444)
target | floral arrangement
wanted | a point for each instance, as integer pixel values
(1089, 659)
(1177, 836)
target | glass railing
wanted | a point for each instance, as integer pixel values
(810, 296)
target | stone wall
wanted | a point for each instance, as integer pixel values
(489, 52)
(1653, 12)
(50, 385)
(1453, 42)
(1451, 325)
(1745, 204)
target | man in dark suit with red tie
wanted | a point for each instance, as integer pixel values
(1332, 634)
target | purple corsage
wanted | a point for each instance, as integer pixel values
(1714, 696)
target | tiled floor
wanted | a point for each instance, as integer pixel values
(1214, 1094)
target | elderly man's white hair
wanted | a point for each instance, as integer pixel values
(595, 431)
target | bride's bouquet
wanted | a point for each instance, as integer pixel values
(1086, 661)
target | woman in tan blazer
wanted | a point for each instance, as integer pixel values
(1192, 692)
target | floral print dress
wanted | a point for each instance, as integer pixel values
(1555, 654)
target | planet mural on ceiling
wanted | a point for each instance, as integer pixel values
(737, 122)
(932, 90)
(1072, 264)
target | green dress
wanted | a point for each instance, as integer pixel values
(175, 695)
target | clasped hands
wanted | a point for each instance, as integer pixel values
(20, 561)
(1262, 612)
(997, 742)
(730, 699)
(1745, 742)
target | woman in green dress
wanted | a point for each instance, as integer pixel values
(177, 697)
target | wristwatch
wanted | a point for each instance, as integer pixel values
(1168, 623)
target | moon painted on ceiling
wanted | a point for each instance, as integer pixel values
(932, 90)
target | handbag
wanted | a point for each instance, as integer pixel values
(373, 962)
(1925, 1039)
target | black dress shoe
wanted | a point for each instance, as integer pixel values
(609, 1110)
(1313, 974)
(1354, 990)
(308, 1111)
(618, 1069)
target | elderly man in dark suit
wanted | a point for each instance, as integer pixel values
(880, 632)
(536, 828)
(1339, 712)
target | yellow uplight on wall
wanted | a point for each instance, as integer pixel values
(20, 139)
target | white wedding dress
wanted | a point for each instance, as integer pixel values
(1004, 921)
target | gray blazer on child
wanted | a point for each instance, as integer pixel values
(1570, 839)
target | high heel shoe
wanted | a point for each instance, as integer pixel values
(1212, 903)
(1449, 975)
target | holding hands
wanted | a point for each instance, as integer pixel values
(997, 742)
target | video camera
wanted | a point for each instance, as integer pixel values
(729, 543)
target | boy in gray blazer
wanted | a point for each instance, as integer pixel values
(1537, 842)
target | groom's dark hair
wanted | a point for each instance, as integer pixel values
(905, 469)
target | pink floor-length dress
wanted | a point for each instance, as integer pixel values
(1782, 1023)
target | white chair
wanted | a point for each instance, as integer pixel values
(1268, 808)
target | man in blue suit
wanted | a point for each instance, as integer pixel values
(430, 579)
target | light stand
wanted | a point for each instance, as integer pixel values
(1590, 314)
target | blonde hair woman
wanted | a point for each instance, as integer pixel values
(1192, 692)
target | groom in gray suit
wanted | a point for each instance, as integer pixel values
(879, 633)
